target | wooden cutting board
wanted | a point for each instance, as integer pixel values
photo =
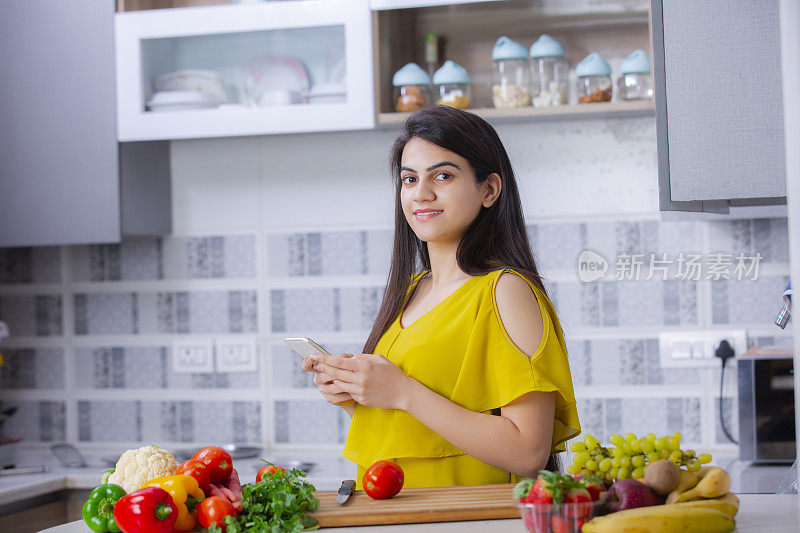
(418, 505)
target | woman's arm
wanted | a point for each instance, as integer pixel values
(517, 441)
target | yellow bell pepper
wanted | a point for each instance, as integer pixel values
(186, 495)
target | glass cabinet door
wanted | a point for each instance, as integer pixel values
(244, 69)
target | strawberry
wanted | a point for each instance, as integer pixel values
(548, 488)
(541, 492)
(536, 522)
(577, 503)
(560, 524)
(595, 486)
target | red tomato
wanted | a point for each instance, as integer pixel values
(213, 510)
(268, 470)
(198, 470)
(383, 480)
(218, 462)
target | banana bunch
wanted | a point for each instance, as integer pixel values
(712, 482)
(662, 519)
(700, 503)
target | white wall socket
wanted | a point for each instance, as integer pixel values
(236, 354)
(193, 356)
(696, 348)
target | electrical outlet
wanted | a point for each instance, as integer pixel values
(696, 348)
(193, 356)
(237, 354)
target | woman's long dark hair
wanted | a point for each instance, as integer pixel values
(497, 238)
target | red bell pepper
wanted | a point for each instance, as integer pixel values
(148, 510)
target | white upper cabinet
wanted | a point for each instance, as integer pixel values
(244, 69)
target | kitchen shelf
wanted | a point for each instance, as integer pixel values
(596, 110)
(466, 38)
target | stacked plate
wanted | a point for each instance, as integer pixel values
(186, 90)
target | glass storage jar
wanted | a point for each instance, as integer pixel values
(549, 73)
(510, 75)
(410, 88)
(594, 79)
(636, 83)
(451, 84)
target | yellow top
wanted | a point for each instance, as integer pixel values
(460, 350)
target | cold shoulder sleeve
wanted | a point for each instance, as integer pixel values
(496, 371)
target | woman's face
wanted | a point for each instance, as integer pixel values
(438, 192)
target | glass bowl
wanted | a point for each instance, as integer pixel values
(558, 518)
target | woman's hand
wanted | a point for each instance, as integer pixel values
(324, 383)
(370, 379)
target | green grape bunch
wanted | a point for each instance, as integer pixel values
(628, 456)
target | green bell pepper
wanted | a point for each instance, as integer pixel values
(98, 511)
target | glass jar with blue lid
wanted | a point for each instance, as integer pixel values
(510, 75)
(410, 88)
(594, 79)
(636, 83)
(549, 73)
(451, 83)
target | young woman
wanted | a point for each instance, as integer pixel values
(464, 379)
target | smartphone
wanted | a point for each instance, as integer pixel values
(303, 346)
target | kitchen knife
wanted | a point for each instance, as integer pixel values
(345, 490)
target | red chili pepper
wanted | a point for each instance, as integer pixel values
(148, 510)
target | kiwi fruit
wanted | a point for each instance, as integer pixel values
(662, 476)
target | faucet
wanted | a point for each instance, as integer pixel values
(786, 312)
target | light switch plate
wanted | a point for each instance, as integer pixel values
(696, 348)
(192, 356)
(236, 354)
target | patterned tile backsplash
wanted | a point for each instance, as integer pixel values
(309, 422)
(34, 315)
(166, 312)
(30, 368)
(662, 416)
(148, 367)
(168, 258)
(36, 420)
(99, 329)
(192, 421)
(329, 253)
(30, 265)
(336, 309)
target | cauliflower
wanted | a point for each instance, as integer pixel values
(137, 467)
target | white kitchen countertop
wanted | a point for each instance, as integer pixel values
(758, 513)
(329, 471)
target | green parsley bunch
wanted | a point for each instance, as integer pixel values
(279, 503)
